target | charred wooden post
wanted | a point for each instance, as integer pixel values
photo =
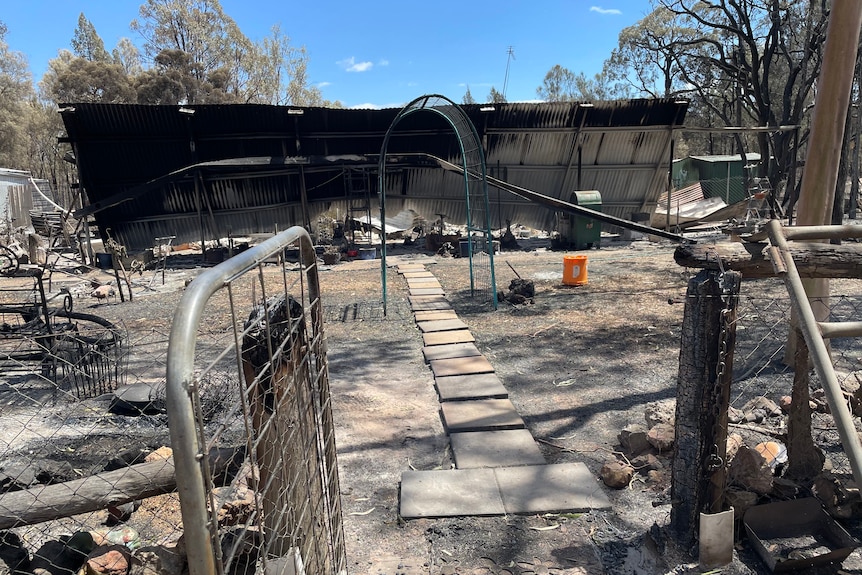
(753, 260)
(703, 397)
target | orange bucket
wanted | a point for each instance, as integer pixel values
(574, 270)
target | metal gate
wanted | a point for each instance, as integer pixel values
(250, 416)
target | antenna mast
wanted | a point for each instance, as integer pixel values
(509, 58)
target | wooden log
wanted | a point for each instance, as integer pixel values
(813, 260)
(18, 508)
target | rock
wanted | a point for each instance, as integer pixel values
(131, 456)
(657, 477)
(755, 415)
(17, 474)
(237, 508)
(633, 439)
(734, 442)
(616, 474)
(65, 556)
(647, 462)
(769, 407)
(785, 402)
(660, 412)
(840, 501)
(750, 471)
(661, 436)
(122, 513)
(159, 560)
(740, 500)
(13, 553)
(735, 415)
(137, 399)
(786, 489)
(111, 560)
(163, 453)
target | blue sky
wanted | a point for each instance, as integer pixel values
(378, 54)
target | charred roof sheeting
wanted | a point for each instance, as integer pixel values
(138, 164)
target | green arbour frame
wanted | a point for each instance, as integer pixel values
(475, 191)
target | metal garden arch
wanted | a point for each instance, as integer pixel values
(480, 246)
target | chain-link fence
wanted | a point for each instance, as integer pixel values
(761, 368)
(85, 445)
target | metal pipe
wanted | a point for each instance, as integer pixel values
(840, 329)
(819, 354)
(189, 455)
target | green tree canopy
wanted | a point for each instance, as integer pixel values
(87, 44)
(16, 88)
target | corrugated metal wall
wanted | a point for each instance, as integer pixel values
(135, 162)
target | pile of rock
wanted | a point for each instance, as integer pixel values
(755, 457)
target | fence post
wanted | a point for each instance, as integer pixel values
(702, 400)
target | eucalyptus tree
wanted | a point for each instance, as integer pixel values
(15, 88)
(750, 63)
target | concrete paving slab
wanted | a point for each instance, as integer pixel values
(480, 415)
(449, 493)
(461, 366)
(404, 268)
(428, 302)
(546, 488)
(426, 291)
(477, 386)
(444, 337)
(419, 274)
(506, 448)
(431, 283)
(441, 325)
(450, 350)
(422, 281)
(435, 314)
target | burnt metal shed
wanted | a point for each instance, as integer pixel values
(207, 171)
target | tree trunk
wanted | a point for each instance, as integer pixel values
(804, 460)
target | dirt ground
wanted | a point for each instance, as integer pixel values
(580, 363)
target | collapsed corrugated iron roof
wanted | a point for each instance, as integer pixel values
(208, 171)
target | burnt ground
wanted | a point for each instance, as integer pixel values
(579, 362)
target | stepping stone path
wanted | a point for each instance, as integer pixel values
(499, 467)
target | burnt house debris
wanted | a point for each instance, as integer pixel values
(207, 172)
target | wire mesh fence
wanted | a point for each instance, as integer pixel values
(762, 369)
(251, 418)
(86, 448)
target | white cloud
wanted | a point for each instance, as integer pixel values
(383, 62)
(601, 10)
(324, 84)
(351, 65)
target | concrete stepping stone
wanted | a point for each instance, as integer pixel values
(506, 448)
(449, 493)
(427, 291)
(565, 487)
(435, 314)
(480, 415)
(404, 268)
(418, 274)
(450, 351)
(441, 325)
(444, 337)
(428, 302)
(418, 282)
(547, 488)
(463, 387)
(461, 366)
